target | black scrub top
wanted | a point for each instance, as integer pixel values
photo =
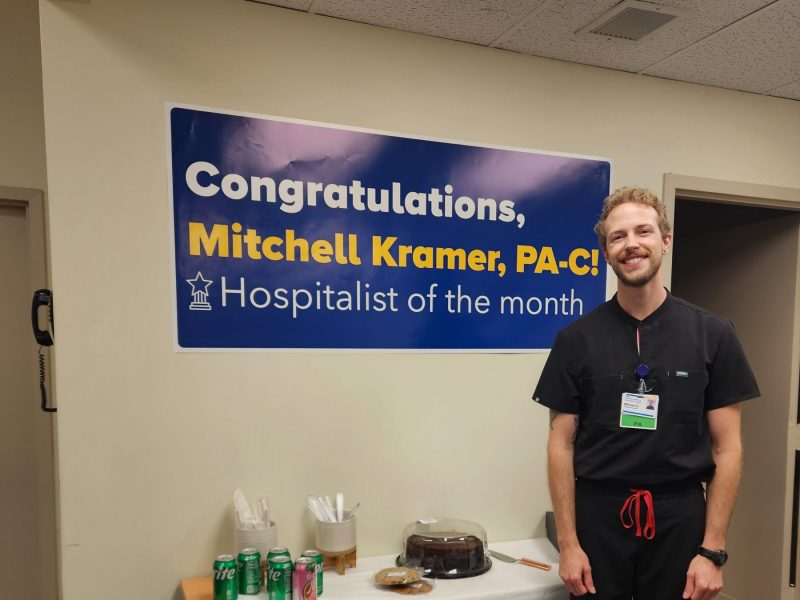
(696, 364)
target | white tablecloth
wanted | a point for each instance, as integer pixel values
(503, 581)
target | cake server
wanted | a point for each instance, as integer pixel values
(523, 561)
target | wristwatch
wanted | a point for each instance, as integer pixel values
(718, 557)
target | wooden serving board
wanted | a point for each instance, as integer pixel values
(198, 588)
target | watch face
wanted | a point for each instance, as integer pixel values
(722, 557)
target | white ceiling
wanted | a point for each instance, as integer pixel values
(747, 45)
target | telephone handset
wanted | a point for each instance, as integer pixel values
(42, 298)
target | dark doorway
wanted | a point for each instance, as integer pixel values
(741, 262)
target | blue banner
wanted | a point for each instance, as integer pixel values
(303, 235)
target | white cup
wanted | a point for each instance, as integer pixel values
(262, 540)
(336, 537)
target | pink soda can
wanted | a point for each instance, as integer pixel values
(305, 579)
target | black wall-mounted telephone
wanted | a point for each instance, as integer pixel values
(43, 298)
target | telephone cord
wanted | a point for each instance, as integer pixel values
(42, 387)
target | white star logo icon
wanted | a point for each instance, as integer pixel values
(199, 292)
(199, 284)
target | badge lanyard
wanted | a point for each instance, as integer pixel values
(642, 370)
(639, 409)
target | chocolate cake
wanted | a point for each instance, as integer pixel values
(445, 553)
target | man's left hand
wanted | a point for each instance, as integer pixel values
(703, 579)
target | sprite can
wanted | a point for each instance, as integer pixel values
(317, 556)
(305, 579)
(279, 582)
(278, 552)
(249, 564)
(226, 586)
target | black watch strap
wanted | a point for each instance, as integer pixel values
(718, 557)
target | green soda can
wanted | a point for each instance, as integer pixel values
(279, 583)
(249, 564)
(226, 586)
(316, 555)
(278, 552)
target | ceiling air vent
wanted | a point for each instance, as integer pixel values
(632, 21)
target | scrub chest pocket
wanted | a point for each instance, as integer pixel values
(600, 398)
(683, 402)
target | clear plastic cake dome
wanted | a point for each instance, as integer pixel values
(445, 548)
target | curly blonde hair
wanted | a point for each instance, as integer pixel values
(637, 195)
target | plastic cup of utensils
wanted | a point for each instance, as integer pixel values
(262, 540)
(337, 536)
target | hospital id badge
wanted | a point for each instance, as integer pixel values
(639, 411)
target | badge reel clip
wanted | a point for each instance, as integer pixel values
(642, 372)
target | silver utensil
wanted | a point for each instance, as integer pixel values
(528, 562)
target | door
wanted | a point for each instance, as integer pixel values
(741, 262)
(27, 500)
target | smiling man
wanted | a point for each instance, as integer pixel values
(644, 395)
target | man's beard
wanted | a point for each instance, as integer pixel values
(640, 279)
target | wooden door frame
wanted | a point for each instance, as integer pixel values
(726, 192)
(763, 196)
(32, 201)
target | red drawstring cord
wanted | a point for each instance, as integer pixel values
(633, 503)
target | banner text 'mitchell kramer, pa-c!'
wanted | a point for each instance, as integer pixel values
(225, 241)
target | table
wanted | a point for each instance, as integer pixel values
(503, 581)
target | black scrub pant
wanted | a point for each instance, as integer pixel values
(626, 567)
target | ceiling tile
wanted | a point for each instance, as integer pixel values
(550, 32)
(757, 54)
(749, 45)
(475, 21)
(791, 91)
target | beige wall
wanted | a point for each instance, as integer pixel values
(152, 443)
(22, 161)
